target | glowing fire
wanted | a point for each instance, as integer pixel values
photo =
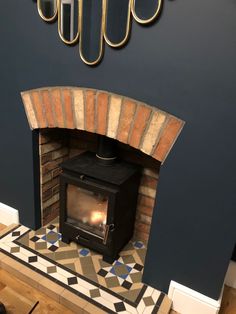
(98, 217)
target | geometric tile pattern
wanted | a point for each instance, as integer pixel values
(50, 238)
(121, 290)
(123, 277)
(122, 271)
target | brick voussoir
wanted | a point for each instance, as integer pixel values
(142, 126)
(67, 101)
(89, 115)
(168, 137)
(39, 109)
(126, 119)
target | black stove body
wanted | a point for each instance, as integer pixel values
(98, 203)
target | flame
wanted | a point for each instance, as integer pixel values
(98, 217)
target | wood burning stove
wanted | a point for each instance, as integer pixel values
(98, 198)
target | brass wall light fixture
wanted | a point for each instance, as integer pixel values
(93, 22)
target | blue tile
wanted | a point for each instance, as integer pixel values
(84, 252)
(138, 244)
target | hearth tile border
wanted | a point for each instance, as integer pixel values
(107, 301)
(89, 281)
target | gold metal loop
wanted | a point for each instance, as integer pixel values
(68, 42)
(101, 33)
(151, 19)
(109, 42)
(51, 19)
(103, 36)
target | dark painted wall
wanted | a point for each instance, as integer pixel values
(184, 64)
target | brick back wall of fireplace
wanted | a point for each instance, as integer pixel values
(55, 146)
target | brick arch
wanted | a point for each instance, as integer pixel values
(129, 121)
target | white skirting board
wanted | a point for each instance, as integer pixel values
(8, 215)
(230, 278)
(188, 301)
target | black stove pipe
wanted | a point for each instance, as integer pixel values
(106, 150)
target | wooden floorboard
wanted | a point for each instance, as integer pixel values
(46, 305)
(228, 305)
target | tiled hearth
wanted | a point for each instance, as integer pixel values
(115, 288)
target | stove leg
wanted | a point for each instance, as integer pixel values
(65, 240)
(110, 259)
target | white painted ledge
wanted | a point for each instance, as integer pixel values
(188, 301)
(8, 215)
(230, 278)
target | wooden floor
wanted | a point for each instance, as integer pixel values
(228, 305)
(47, 305)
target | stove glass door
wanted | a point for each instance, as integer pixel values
(87, 210)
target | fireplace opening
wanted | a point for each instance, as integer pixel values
(57, 146)
(98, 199)
(69, 121)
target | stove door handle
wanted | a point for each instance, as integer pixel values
(108, 228)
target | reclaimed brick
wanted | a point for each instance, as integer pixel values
(56, 172)
(144, 219)
(50, 184)
(51, 166)
(145, 210)
(55, 189)
(62, 152)
(49, 147)
(48, 108)
(142, 227)
(39, 109)
(144, 190)
(29, 109)
(69, 118)
(57, 104)
(168, 138)
(152, 133)
(146, 201)
(51, 201)
(78, 104)
(43, 138)
(139, 235)
(50, 213)
(154, 173)
(113, 116)
(90, 111)
(126, 120)
(46, 158)
(140, 123)
(46, 195)
(45, 178)
(102, 109)
(149, 182)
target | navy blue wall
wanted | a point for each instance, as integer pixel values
(184, 64)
